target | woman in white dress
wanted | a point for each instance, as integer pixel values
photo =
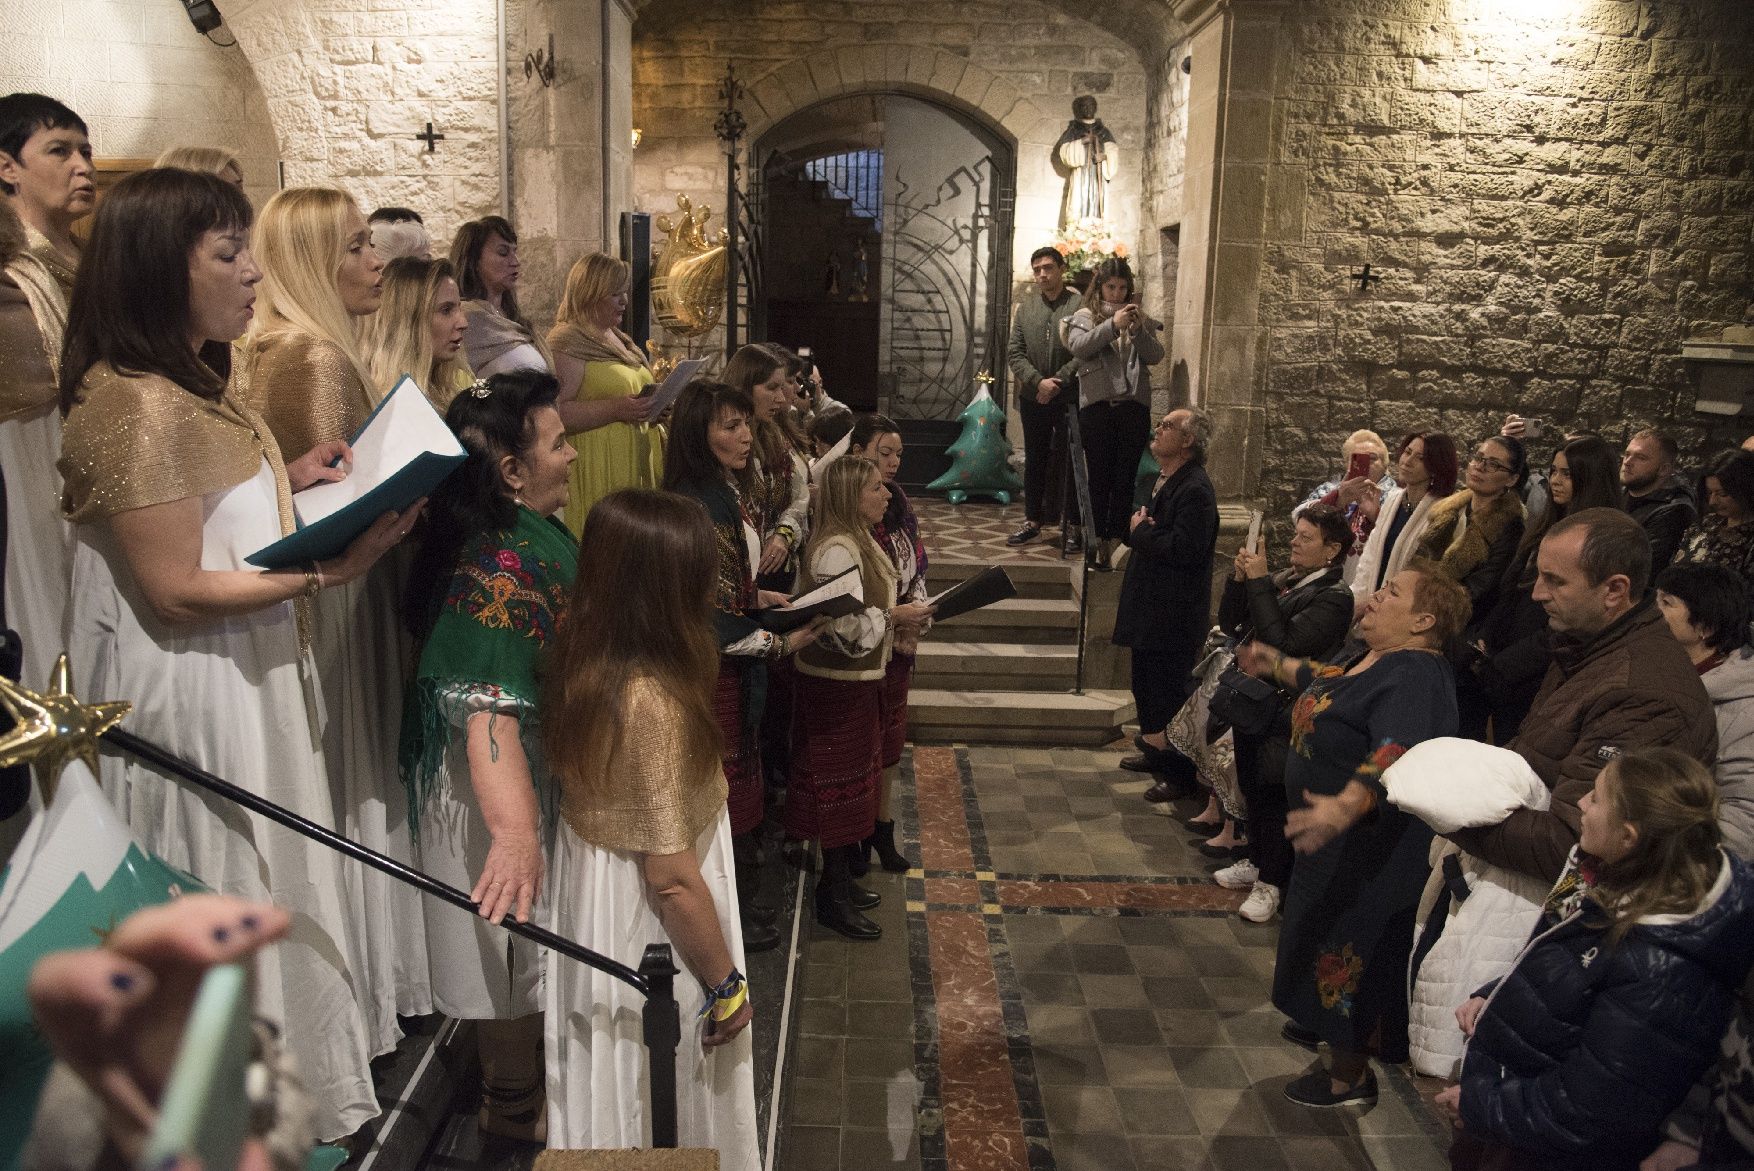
(642, 854)
(310, 376)
(171, 481)
(486, 595)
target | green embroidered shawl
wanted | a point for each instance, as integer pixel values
(502, 609)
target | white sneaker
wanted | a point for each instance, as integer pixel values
(1262, 903)
(1238, 875)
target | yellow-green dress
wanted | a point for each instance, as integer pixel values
(616, 455)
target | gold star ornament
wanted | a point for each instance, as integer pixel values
(54, 727)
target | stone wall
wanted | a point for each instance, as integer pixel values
(1555, 195)
(143, 79)
(1016, 66)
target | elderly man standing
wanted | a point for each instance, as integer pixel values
(1619, 681)
(1166, 596)
(1042, 367)
(1656, 497)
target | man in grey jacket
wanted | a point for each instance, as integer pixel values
(1042, 369)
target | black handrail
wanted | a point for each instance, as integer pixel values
(654, 979)
(1081, 489)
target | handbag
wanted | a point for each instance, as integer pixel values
(1249, 705)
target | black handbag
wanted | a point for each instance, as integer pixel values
(1249, 705)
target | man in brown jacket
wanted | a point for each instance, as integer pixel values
(1619, 681)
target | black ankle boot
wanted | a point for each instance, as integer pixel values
(758, 916)
(882, 840)
(834, 909)
(861, 898)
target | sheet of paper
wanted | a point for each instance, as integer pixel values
(403, 427)
(845, 582)
(1254, 530)
(817, 467)
(665, 395)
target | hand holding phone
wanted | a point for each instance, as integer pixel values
(1359, 466)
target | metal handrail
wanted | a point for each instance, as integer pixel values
(1081, 489)
(654, 979)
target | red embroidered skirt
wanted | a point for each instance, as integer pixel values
(742, 752)
(896, 680)
(837, 744)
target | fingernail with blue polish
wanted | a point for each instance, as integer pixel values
(251, 923)
(121, 981)
(220, 934)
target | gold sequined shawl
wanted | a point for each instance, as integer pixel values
(34, 290)
(306, 387)
(134, 441)
(657, 805)
(574, 342)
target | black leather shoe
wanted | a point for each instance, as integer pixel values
(1237, 851)
(1097, 559)
(1072, 543)
(838, 915)
(1300, 1036)
(1165, 791)
(1139, 763)
(1317, 1089)
(861, 899)
(1023, 536)
(759, 936)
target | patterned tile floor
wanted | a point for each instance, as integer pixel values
(1064, 988)
(976, 530)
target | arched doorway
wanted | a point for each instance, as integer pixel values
(886, 250)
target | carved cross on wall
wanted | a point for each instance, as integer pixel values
(1366, 278)
(432, 140)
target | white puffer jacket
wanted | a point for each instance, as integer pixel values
(1449, 784)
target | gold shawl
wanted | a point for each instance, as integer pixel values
(306, 387)
(567, 338)
(34, 290)
(656, 807)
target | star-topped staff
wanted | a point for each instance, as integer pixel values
(985, 378)
(53, 727)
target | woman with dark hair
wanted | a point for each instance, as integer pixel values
(779, 477)
(485, 599)
(1507, 650)
(876, 438)
(213, 653)
(485, 255)
(1341, 973)
(1303, 610)
(1706, 607)
(1473, 534)
(1426, 470)
(1723, 534)
(1115, 345)
(642, 854)
(708, 460)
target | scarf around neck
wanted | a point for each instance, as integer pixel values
(567, 338)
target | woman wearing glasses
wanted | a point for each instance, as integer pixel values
(1473, 534)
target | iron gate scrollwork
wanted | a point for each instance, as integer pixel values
(945, 294)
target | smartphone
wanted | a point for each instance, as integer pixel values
(204, 1114)
(1359, 467)
(1531, 428)
(1254, 541)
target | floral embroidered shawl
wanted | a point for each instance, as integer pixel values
(503, 608)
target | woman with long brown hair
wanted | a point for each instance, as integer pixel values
(485, 254)
(643, 851)
(780, 482)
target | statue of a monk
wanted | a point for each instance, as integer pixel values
(1087, 148)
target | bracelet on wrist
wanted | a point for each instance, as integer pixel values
(313, 581)
(723, 1001)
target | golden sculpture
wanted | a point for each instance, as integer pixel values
(688, 280)
(54, 727)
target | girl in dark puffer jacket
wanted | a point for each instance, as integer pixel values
(1616, 1006)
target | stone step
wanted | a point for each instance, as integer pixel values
(1006, 666)
(1033, 579)
(1017, 717)
(1029, 620)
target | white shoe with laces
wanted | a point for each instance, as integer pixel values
(1239, 875)
(1262, 903)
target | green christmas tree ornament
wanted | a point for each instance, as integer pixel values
(981, 455)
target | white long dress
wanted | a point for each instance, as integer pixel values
(598, 1094)
(39, 543)
(228, 696)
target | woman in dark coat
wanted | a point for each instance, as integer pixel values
(1341, 972)
(1616, 1006)
(1302, 611)
(1508, 647)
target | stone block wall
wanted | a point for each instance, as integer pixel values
(1555, 196)
(143, 79)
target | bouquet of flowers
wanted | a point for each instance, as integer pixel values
(1088, 242)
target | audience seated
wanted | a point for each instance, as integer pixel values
(1473, 534)
(1656, 494)
(1723, 534)
(1425, 472)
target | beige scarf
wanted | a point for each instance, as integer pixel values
(567, 338)
(46, 280)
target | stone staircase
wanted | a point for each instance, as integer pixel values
(1005, 674)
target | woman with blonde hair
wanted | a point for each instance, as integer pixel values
(837, 720)
(603, 378)
(485, 255)
(418, 330)
(642, 852)
(308, 375)
(207, 160)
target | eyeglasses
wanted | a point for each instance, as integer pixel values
(1481, 459)
(1166, 425)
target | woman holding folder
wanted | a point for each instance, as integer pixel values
(837, 724)
(708, 460)
(310, 376)
(171, 482)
